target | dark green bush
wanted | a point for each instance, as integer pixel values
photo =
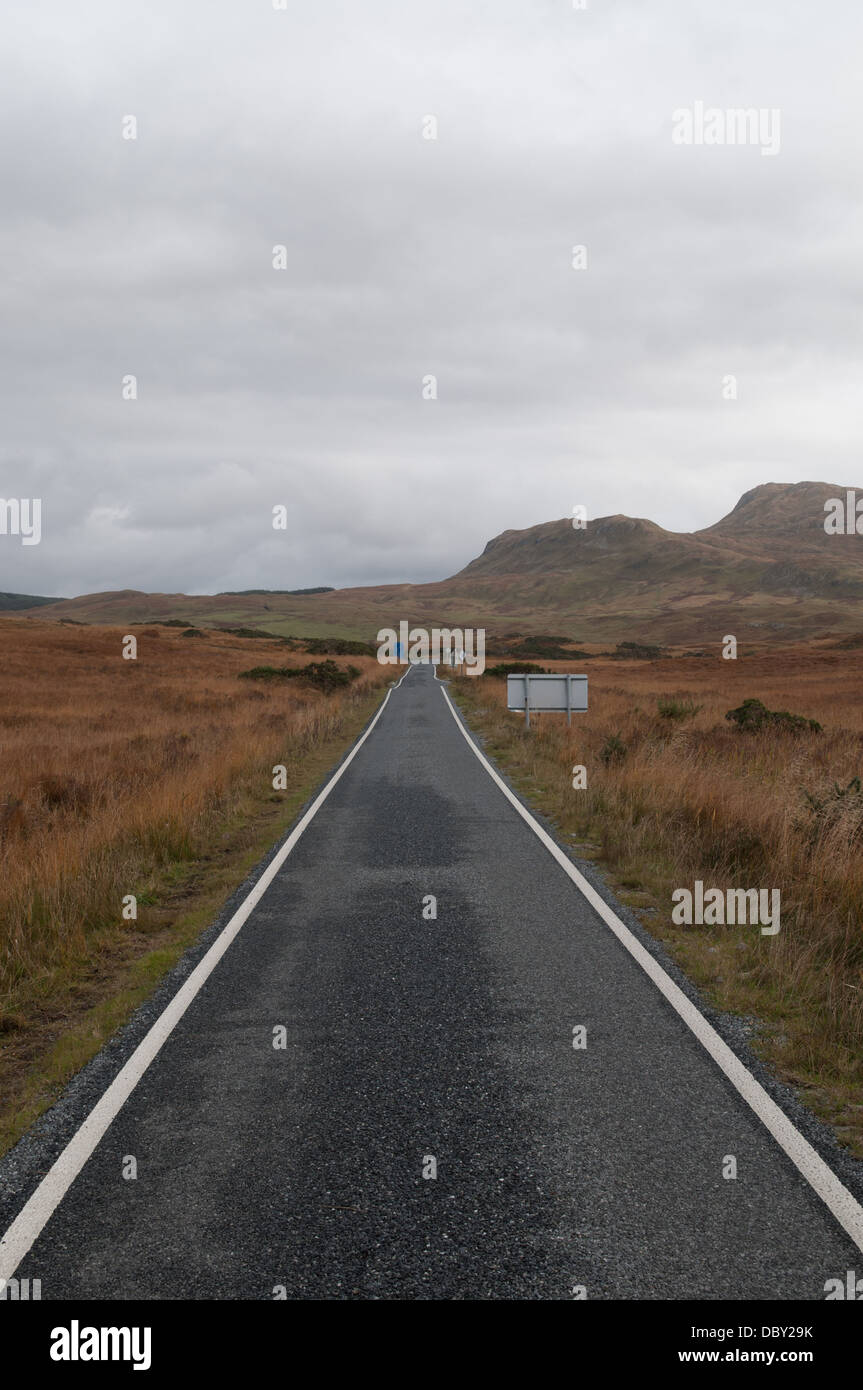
(338, 646)
(254, 632)
(323, 675)
(515, 668)
(640, 651)
(753, 716)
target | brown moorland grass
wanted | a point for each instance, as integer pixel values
(693, 798)
(126, 777)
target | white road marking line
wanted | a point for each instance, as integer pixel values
(404, 677)
(823, 1180)
(41, 1206)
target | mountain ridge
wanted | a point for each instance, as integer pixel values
(767, 568)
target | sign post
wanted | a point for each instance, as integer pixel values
(556, 691)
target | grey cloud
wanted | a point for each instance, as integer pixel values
(408, 257)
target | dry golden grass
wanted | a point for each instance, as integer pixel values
(116, 770)
(698, 799)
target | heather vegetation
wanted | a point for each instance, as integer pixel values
(324, 675)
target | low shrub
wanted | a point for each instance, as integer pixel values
(678, 710)
(338, 646)
(324, 675)
(515, 668)
(640, 651)
(752, 716)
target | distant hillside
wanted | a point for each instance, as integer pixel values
(10, 602)
(241, 593)
(766, 570)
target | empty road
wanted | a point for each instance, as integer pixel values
(413, 1045)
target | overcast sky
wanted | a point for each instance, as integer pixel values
(408, 257)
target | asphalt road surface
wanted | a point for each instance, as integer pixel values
(407, 1039)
